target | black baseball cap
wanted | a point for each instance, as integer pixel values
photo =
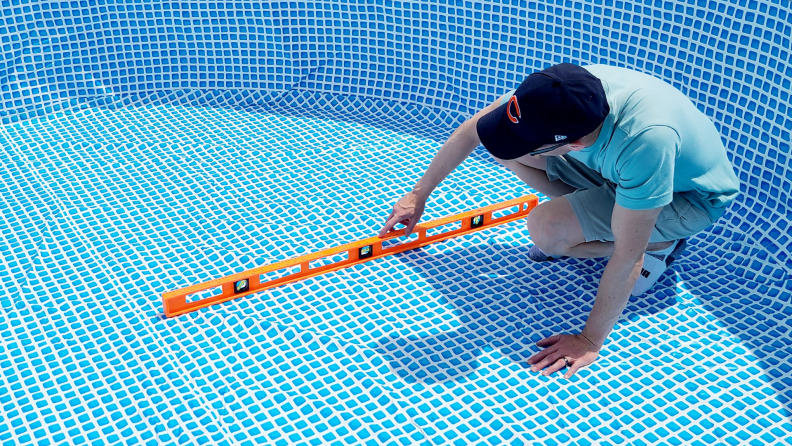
(560, 103)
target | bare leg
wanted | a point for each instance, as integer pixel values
(555, 229)
(533, 171)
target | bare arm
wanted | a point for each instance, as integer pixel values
(457, 148)
(631, 231)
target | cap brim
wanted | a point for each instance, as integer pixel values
(498, 139)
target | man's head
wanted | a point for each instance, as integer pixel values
(554, 107)
(571, 146)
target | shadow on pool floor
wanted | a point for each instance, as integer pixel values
(501, 308)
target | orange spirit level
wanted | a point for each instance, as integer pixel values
(250, 281)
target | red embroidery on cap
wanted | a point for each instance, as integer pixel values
(517, 107)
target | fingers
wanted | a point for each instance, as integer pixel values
(538, 357)
(542, 359)
(578, 354)
(573, 368)
(409, 226)
(388, 225)
(406, 211)
(549, 341)
(397, 217)
(413, 220)
(385, 229)
(392, 220)
(555, 366)
(546, 342)
(551, 359)
(550, 364)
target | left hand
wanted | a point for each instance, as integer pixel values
(577, 349)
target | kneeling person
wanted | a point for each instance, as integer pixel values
(633, 170)
(631, 165)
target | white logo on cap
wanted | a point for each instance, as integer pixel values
(560, 137)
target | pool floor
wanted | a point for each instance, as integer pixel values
(106, 206)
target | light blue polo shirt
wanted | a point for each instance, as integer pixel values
(655, 142)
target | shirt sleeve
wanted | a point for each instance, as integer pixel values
(646, 169)
(506, 96)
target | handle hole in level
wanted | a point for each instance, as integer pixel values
(448, 227)
(327, 260)
(278, 273)
(399, 241)
(506, 211)
(204, 294)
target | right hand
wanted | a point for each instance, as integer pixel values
(407, 211)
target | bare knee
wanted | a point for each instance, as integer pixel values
(549, 229)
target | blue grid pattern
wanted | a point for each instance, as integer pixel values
(149, 145)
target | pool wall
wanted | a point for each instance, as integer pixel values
(732, 59)
(137, 137)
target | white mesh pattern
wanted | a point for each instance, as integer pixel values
(149, 145)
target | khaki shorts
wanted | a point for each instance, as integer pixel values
(595, 197)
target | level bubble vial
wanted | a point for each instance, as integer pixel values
(241, 286)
